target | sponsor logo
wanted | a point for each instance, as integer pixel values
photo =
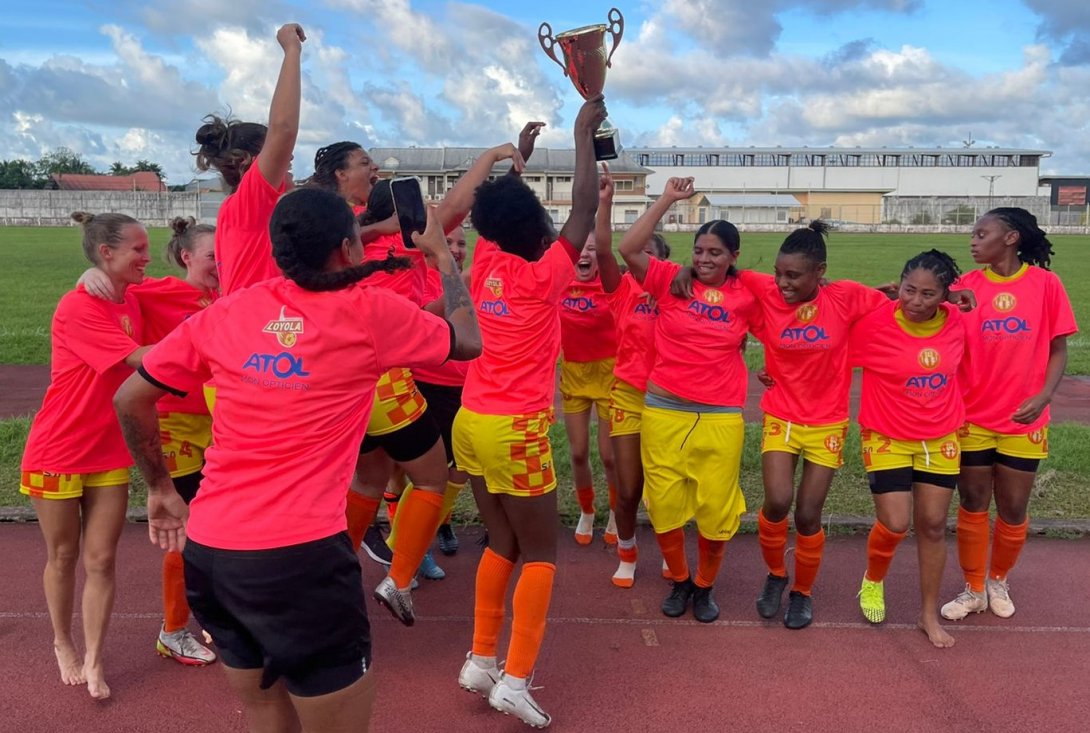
(928, 358)
(494, 285)
(949, 450)
(285, 329)
(1009, 325)
(495, 308)
(927, 381)
(1037, 437)
(1004, 302)
(126, 326)
(711, 312)
(646, 306)
(576, 302)
(282, 365)
(807, 334)
(806, 312)
(713, 296)
(833, 443)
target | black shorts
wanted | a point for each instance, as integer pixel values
(408, 443)
(901, 479)
(443, 402)
(296, 612)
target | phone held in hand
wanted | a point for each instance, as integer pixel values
(412, 214)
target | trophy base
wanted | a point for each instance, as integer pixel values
(607, 144)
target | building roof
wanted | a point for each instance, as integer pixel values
(833, 149)
(755, 200)
(141, 181)
(439, 160)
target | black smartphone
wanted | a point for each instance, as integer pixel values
(409, 206)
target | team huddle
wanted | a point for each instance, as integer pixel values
(315, 358)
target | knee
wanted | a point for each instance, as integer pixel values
(932, 529)
(608, 464)
(100, 563)
(63, 559)
(897, 526)
(580, 455)
(775, 508)
(807, 520)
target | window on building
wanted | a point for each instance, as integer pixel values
(624, 185)
(826, 212)
(630, 216)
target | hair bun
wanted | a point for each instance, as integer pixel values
(82, 217)
(819, 226)
(213, 132)
(180, 224)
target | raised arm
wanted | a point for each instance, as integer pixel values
(608, 270)
(275, 158)
(584, 192)
(456, 204)
(527, 140)
(635, 239)
(457, 305)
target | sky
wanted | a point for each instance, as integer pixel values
(122, 80)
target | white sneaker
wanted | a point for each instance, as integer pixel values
(399, 601)
(519, 703)
(584, 529)
(610, 536)
(477, 677)
(183, 647)
(999, 597)
(968, 601)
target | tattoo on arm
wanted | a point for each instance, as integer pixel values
(146, 447)
(455, 295)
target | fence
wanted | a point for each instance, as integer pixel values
(53, 208)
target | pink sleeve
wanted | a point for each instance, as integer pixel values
(757, 283)
(420, 339)
(1062, 322)
(554, 271)
(659, 276)
(174, 363)
(94, 334)
(256, 197)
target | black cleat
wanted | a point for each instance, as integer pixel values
(800, 611)
(448, 541)
(768, 603)
(678, 601)
(705, 609)
(374, 544)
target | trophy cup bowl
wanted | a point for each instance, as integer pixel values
(585, 63)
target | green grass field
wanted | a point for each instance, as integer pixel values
(41, 264)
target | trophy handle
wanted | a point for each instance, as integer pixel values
(616, 30)
(548, 43)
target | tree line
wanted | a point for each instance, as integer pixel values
(21, 173)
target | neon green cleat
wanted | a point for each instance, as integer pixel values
(872, 601)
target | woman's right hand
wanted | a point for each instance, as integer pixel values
(433, 243)
(291, 37)
(678, 189)
(97, 283)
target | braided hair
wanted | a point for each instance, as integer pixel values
(808, 241)
(308, 225)
(726, 233)
(228, 146)
(186, 230)
(329, 160)
(1033, 245)
(938, 263)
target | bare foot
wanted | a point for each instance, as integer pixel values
(96, 682)
(935, 633)
(69, 662)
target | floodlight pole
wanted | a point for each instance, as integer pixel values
(991, 187)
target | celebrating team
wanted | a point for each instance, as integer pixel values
(330, 353)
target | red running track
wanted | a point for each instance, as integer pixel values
(611, 661)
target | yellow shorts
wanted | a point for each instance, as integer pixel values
(583, 384)
(49, 485)
(625, 409)
(511, 452)
(691, 466)
(1030, 445)
(185, 439)
(209, 397)
(822, 445)
(939, 455)
(397, 403)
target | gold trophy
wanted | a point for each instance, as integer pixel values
(585, 63)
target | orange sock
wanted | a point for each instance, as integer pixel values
(391, 505)
(585, 496)
(773, 539)
(415, 530)
(973, 547)
(175, 607)
(493, 575)
(881, 544)
(1009, 539)
(360, 512)
(709, 556)
(530, 607)
(672, 544)
(808, 551)
(627, 554)
(612, 497)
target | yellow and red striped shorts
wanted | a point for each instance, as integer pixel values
(185, 438)
(50, 485)
(511, 452)
(397, 403)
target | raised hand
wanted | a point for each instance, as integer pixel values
(291, 37)
(678, 189)
(432, 242)
(528, 138)
(591, 115)
(605, 187)
(507, 151)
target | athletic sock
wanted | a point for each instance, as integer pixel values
(625, 577)
(530, 607)
(419, 519)
(493, 575)
(585, 497)
(391, 508)
(175, 607)
(449, 497)
(1008, 543)
(672, 544)
(773, 539)
(391, 500)
(881, 545)
(973, 547)
(808, 551)
(709, 556)
(360, 512)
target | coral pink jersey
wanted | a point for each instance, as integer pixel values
(76, 431)
(165, 302)
(634, 311)
(518, 309)
(453, 373)
(910, 382)
(1009, 333)
(698, 341)
(587, 330)
(295, 375)
(243, 247)
(806, 347)
(411, 283)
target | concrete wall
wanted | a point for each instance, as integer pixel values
(53, 208)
